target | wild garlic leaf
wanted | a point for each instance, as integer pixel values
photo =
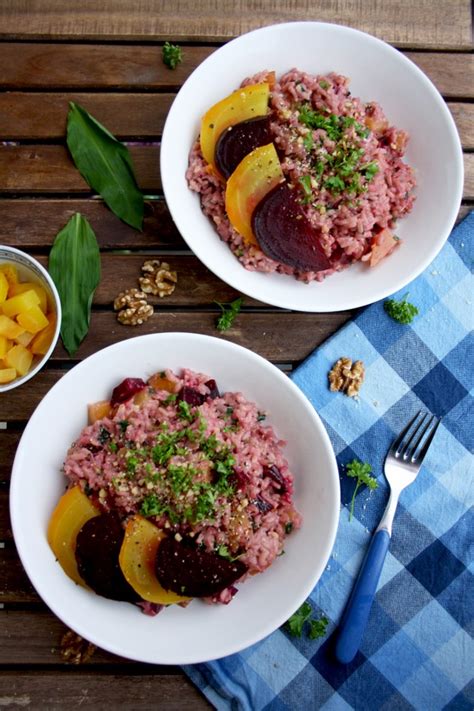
(105, 164)
(74, 265)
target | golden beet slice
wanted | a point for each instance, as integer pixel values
(243, 104)
(255, 176)
(137, 560)
(73, 510)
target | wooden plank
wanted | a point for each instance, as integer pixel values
(39, 116)
(424, 23)
(49, 169)
(5, 523)
(21, 408)
(32, 223)
(14, 584)
(138, 68)
(41, 644)
(34, 169)
(8, 444)
(35, 116)
(99, 692)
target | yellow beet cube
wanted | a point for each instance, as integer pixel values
(3, 287)
(10, 272)
(24, 339)
(22, 302)
(33, 320)
(7, 375)
(19, 358)
(5, 345)
(42, 340)
(9, 328)
(21, 287)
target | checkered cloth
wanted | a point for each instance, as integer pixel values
(417, 651)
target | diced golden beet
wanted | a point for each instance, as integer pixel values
(5, 346)
(10, 272)
(33, 320)
(10, 328)
(42, 341)
(160, 382)
(137, 561)
(72, 511)
(7, 375)
(20, 288)
(20, 303)
(24, 339)
(20, 358)
(98, 410)
(3, 287)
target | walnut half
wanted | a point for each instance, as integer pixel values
(158, 279)
(346, 376)
(133, 308)
(75, 649)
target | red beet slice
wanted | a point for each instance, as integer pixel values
(97, 554)
(284, 233)
(190, 571)
(238, 141)
(213, 389)
(191, 396)
(275, 474)
(126, 390)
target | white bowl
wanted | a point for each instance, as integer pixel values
(377, 72)
(31, 270)
(199, 632)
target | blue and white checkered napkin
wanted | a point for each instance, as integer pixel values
(417, 651)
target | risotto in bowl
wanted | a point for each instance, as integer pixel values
(174, 488)
(305, 174)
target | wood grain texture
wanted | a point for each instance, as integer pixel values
(424, 23)
(49, 169)
(37, 116)
(32, 223)
(86, 690)
(85, 66)
(8, 444)
(14, 584)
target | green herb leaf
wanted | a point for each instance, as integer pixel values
(74, 265)
(172, 55)
(105, 164)
(308, 142)
(334, 184)
(229, 312)
(401, 311)
(318, 628)
(295, 624)
(305, 182)
(360, 471)
(324, 84)
(370, 169)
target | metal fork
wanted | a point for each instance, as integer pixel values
(402, 465)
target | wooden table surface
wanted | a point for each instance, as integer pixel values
(107, 56)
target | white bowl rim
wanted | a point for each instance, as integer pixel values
(355, 301)
(78, 625)
(57, 305)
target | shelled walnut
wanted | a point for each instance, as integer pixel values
(158, 278)
(133, 307)
(74, 649)
(346, 376)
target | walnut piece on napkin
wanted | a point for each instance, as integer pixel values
(346, 376)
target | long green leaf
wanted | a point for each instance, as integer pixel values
(105, 164)
(74, 265)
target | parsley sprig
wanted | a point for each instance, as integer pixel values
(401, 310)
(229, 312)
(361, 472)
(172, 55)
(317, 627)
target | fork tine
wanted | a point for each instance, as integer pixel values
(422, 453)
(399, 439)
(412, 446)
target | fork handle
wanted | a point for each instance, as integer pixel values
(357, 611)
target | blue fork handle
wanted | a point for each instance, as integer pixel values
(357, 611)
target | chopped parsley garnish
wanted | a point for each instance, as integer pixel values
(369, 170)
(113, 446)
(229, 312)
(261, 416)
(104, 435)
(229, 411)
(324, 84)
(305, 182)
(361, 472)
(172, 55)
(123, 424)
(334, 184)
(223, 551)
(308, 142)
(184, 411)
(318, 628)
(288, 527)
(171, 398)
(151, 506)
(401, 311)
